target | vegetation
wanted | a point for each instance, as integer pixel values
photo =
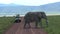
(54, 25)
(5, 22)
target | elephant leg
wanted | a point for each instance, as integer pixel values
(29, 24)
(46, 22)
(25, 25)
(40, 23)
(36, 24)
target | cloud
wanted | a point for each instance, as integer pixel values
(29, 2)
(34, 2)
(5, 1)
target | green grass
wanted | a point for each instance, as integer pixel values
(54, 25)
(5, 22)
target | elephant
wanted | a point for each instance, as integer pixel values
(36, 17)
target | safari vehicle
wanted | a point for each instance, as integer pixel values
(17, 19)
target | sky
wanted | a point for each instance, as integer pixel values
(28, 2)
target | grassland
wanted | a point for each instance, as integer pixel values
(53, 27)
(5, 22)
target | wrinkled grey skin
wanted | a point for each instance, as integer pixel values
(35, 16)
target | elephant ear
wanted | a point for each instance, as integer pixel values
(32, 16)
(39, 14)
(43, 14)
